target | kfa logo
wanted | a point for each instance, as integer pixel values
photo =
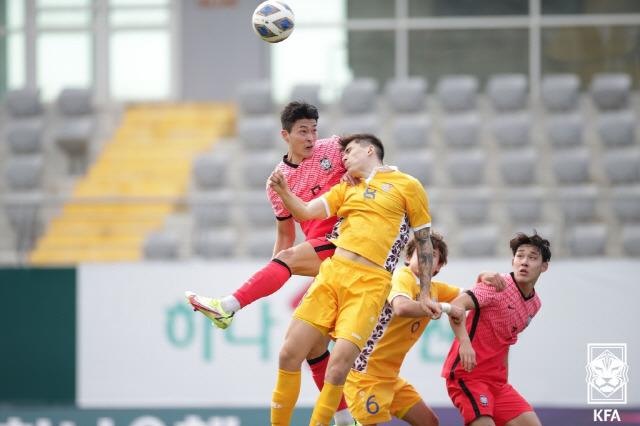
(607, 373)
(606, 415)
(325, 163)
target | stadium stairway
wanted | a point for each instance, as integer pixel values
(136, 182)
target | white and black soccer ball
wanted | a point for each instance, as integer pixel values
(273, 21)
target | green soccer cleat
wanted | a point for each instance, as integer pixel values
(210, 308)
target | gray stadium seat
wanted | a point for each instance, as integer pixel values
(610, 90)
(631, 240)
(76, 127)
(257, 209)
(462, 130)
(211, 208)
(359, 96)
(508, 91)
(254, 97)
(512, 129)
(25, 136)
(622, 165)
(518, 167)
(479, 241)
(257, 167)
(565, 130)
(559, 92)
(24, 172)
(214, 243)
(578, 203)
(209, 170)
(406, 94)
(466, 167)
(161, 245)
(75, 101)
(571, 166)
(587, 240)
(310, 93)
(472, 206)
(410, 132)
(617, 128)
(259, 132)
(368, 123)
(418, 164)
(625, 202)
(457, 92)
(524, 204)
(23, 103)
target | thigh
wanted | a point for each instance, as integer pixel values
(369, 398)
(510, 405)
(405, 399)
(306, 257)
(300, 338)
(473, 399)
(529, 418)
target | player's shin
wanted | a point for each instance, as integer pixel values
(284, 397)
(326, 405)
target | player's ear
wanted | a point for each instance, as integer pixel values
(285, 135)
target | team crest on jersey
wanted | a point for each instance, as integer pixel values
(386, 187)
(484, 400)
(325, 163)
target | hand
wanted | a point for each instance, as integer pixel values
(493, 279)
(431, 308)
(467, 356)
(278, 182)
(351, 180)
(457, 314)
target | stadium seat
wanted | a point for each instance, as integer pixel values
(25, 136)
(406, 94)
(310, 93)
(610, 90)
(209, 170)
(161, 245)
(625, 202)
(565, 130)
(368, 123)
(466, 167)
(23, 209)
(559, 92)
(359, 96)
(76, 127)
(257, 168)
(418, 164)
(462, 130)
(254, 97)
(211, 208)
(259, 132)
(257, 209)
(410, 132)
(518, 167)
(571, 166)
(22, 103)
(631, 240)
(457, 92)
(24, 172)
(617, 128)
(214, 243)
(524, 204)
(479, 241)
(622, 165)
(587, 240)
(472, 205)
(512, 130)
(508, 92)
(578, 203)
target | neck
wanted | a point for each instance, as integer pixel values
(293, 159)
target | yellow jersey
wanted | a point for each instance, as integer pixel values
(393, 336)
(375, 217)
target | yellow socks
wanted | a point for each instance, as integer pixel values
(285, 396)
(326, 405)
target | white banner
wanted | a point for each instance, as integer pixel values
(140, 344)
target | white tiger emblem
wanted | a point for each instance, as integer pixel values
(607, 373)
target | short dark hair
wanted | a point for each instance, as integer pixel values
(362, 139)
(297, 110)
(438, 242)
(532, 240)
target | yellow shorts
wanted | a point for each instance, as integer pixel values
(345, 299)
(374, 399)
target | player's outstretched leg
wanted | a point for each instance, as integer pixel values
(210, 308)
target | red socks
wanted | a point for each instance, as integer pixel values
(318, 368)
(266, 281)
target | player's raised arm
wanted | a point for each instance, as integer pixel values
(467, 354)
(301, 210)
(424, 250)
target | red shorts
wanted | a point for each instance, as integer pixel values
(323, 247)
(475, 399)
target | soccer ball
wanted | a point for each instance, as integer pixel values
(273, 21)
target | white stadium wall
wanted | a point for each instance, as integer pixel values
(140, 345)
